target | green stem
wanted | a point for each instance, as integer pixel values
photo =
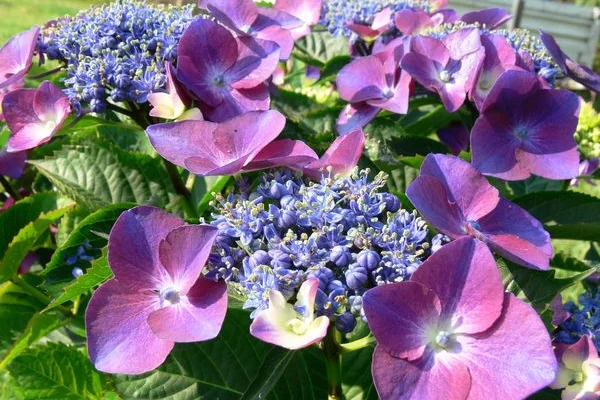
(334, 363)
(37, 294)
(9, 189)
(47, 73)
(367, 341)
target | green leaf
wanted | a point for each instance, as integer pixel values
(227, 367)
(25, 241)
(415, 145)
(21, 213)
(539, 287)
(92, 231)
(430, 121)
(94, 276)
(97, 174)
(269, 373)
(332, 67)
(39, 326)
(320, 46)
(357, 383)
(565, 215)
(57, 372)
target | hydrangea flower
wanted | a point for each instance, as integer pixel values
(226, 74)
(337, 14)
(512, 139)
(208, 148)
(452, 332)
(172, 103)
(583, 320)
(292, 327)
(158, 295)
(116, 51)
(459, 201)
(344, 231)
(577, 72)
(449, 66)
(34, 115)
(578, 370)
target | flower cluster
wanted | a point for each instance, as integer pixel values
(345, 231)
(116, 51)
(583, 319)
(336, 14)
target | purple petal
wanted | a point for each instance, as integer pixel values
(119, 338)
(12, 164)
(16, 55)
(499, 371)
(274, 16)
(430, 197)
(455, 136)
(427, 378)
(510, 90)
(340, 158)
(197, 317)
(398, 103)
(362, 79)
(238, 102)
(401, 315)
(423, 70)
(183, 254)
(238, 15)
(410, 20)
(559, 166)
(577, 72)
(256, 63)
(206, 148)
(514, 234)
(202, 64)
(491, 18)
(289, 153)
(431, 48)
(308, 11)
(133, 246)
(471, 192)
(355, 116)
(462, 42)
(464, 275)
(282, 37)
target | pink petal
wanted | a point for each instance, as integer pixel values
(355, 116)
(197, 317)
(133, 246)
(307, 10)
(238, 15)
(342, 156)
(183, 253)
(431, 48)
(431, 377)
(559, 166)
(289, 153)
(464, 275)
(16, 55)
(399, 102)
(282, 37)
(411, 20)
(514, 234)
(118, 337)
(499, 370)
(431, 198)
(471, 191)
(256, 62)
(362, 79)
(240, 101)
(401, 316)
(172, 104)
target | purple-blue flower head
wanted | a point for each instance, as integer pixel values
(526, 128)
(158, 295)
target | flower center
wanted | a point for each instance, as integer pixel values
(445, 76)
(297, 326)
(442, 339)
(521, 132)
(219, 81)
(169, 296)
(388, 93)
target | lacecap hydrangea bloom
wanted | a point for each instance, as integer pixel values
(347, 232)
(584, 319)
(115, 51)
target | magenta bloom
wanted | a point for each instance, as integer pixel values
(15, 57)
(451, 332)
(12, 164)
(341, 157)
(249, 21)
(209, 148)
(526, 128)
(157, 297)
(578, 370)
(499, 57)
(449, 66)
(34, 115)
(491, 18)
(458, 201)
(226, 74)
(577, 72)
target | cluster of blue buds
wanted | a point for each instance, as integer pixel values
(345, 231)
(531, 49)
(337, 13)
(85, 253)
(115, 51)
(583, 320)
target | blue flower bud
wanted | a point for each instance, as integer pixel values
(77, 272)
(340, 256)
(392, 203)
(368, 259)
(345, 322)
(260, 257)
(356, 277)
